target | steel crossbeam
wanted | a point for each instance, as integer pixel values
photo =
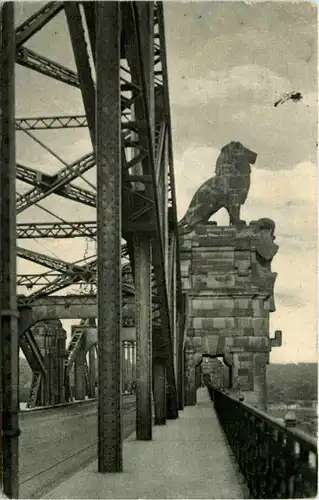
(34, 61)
(43, 182)
(70, 274)
(36, 22)
(31, 280)
(50, 262)
(62, 178)
(56, 230)
(51, 122)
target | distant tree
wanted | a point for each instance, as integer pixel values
(292, 382)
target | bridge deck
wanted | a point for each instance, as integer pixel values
(188, 458)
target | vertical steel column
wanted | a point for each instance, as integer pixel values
(181, 387)
(122, 365)
(159, 390)
(79, 369)
(190, 389)
(143, 256)
(172, 294)
(174, 317)
(164, 203)
(129, 366)
(9, 314)
(126, 368)
(143, 323)
(109, 228)
(182, 333)
(134, 365)
(92, 372)
(124, 378)
(79, 375)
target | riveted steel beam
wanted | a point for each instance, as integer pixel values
(90, 16)
(108, 154)
(32, 352)
(43, 181)
(51, 122)
(79, 229)
(137, 55)
(32, 60)
(81, 56)
(8, 298)
(86, 273)
(76, 274)
(63, 177)
(50, 262)
(36, 22)
(166, 104)
(142, 239)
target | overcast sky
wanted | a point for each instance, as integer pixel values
(228, 62)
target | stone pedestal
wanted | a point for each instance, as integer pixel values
(226, 272)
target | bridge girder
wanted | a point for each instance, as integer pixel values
(86, 229)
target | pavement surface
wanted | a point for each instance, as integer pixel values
(187, 458)
(57, 442)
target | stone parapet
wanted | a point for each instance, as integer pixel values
(226, 272)
(228, 259)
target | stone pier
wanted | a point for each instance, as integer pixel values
(226, 272)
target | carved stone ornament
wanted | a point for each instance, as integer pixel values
(266, 248)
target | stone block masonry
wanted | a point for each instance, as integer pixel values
(226, 272)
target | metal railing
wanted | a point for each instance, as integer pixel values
(276, 461)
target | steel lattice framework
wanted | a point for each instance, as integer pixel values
(120, 72)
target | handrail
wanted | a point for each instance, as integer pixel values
(276, 461)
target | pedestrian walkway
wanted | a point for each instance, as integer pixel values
(187, 458)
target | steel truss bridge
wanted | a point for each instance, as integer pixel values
(126, 179)
(120, 74)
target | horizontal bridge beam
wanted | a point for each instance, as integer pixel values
(85, 229)
(59, 122)
(62, 307)
(51, 122)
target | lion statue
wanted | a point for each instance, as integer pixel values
(228, 189)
